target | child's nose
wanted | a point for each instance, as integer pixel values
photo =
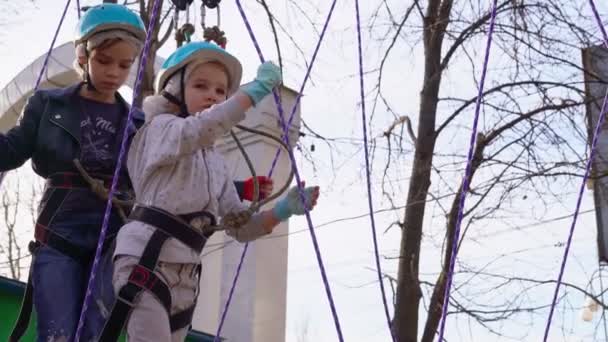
(113, 71)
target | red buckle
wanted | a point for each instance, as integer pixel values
(40, 233)
(142, 277)
(67, 180)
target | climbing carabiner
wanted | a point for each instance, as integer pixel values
(181, 4)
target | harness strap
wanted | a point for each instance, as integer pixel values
(171, 225)
(58, 187)
(142, 276)
(55, 199)
(57, 242)
(182, 319)
(72, 180)
(52, 205)
(27, 303)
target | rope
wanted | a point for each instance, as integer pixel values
(467, 176)
(78, 8)
(592, 151)
(216, 35)
(48, 54)
(123, 147)
(256, 205)
(296, 173)
(368, 176)
(235, 220)
(97, 187)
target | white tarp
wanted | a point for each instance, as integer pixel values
(595, 63)
(59, 73)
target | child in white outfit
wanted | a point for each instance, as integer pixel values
(179, 176)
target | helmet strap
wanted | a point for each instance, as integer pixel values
(179, 102)
(182, 87)
(85, 67)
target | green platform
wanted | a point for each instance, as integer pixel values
(11, 293)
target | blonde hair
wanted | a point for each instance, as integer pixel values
(158, 104)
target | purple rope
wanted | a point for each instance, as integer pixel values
(368, 176)
(123, 148)
(596, 14)
(296, 174)
(306, 77)
(467, 176)
(46, 60)
(592, 151)
(48, 54)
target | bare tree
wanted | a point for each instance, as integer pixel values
(530, 141)
(530, 149)
(11, 248)
(18, 204)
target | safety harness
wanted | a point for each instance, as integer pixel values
(58, 187)
(193, 230)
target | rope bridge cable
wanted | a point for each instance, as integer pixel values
(368, 176)
(48, 54)
(296, 173)
(467, 175)
(592, 151)
(123, 147)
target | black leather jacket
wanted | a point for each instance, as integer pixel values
(49, 132)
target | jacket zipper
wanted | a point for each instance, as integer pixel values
(70, 133)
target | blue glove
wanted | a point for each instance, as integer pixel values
(292, 203)
(269, 76)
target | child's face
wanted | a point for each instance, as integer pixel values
(109, 66)
(206, 86)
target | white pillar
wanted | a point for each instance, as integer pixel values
(258, 308)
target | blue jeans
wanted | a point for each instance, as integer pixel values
(60, 282)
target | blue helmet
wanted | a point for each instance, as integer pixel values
(107, 17)
(199, 52)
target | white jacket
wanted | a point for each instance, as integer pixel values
(173, 166)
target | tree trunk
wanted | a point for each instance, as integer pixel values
(408, 288)
(147, 86)
(408, 295)
(438, 296)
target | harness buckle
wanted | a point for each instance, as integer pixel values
(128, 294)
(200, 223)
